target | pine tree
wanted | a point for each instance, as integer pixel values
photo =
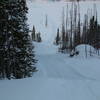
(38, 37)
(18, 60)
(3, 18)
(57, 37)
(33, 34)
(91, 34)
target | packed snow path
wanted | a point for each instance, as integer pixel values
(52, 64)
(65, 78)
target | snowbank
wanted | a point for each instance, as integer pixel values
(85, 51)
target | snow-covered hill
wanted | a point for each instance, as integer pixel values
(59, 77)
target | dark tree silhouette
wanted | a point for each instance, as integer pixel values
(17, 59)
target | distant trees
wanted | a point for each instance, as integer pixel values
(36, 36)
(71, 32)
(93, 34)
(16, 50)
(3, 18)
(33, 35)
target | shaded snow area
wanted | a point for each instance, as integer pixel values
(59, 77)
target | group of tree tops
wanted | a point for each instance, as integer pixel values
(16, 50)
(36, 36)
(75, 32)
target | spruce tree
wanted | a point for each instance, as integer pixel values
(18, 59)
(3, 17)
(38, 37)
(57, 37)
(91, 34)
(33, 34)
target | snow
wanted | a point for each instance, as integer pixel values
(91, 52)
(82, 50)
(59, 77)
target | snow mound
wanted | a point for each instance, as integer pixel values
(85, 50)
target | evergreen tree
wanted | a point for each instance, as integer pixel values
(97, 34)
(91, 34)
(18, 59)
(57, 37)
(38, 37)
(33, 34)
(3, 19)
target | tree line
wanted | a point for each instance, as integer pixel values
(75, 32)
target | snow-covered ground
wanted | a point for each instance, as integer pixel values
(58, 77)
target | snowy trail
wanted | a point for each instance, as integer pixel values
(62, 79)
(56, 65)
